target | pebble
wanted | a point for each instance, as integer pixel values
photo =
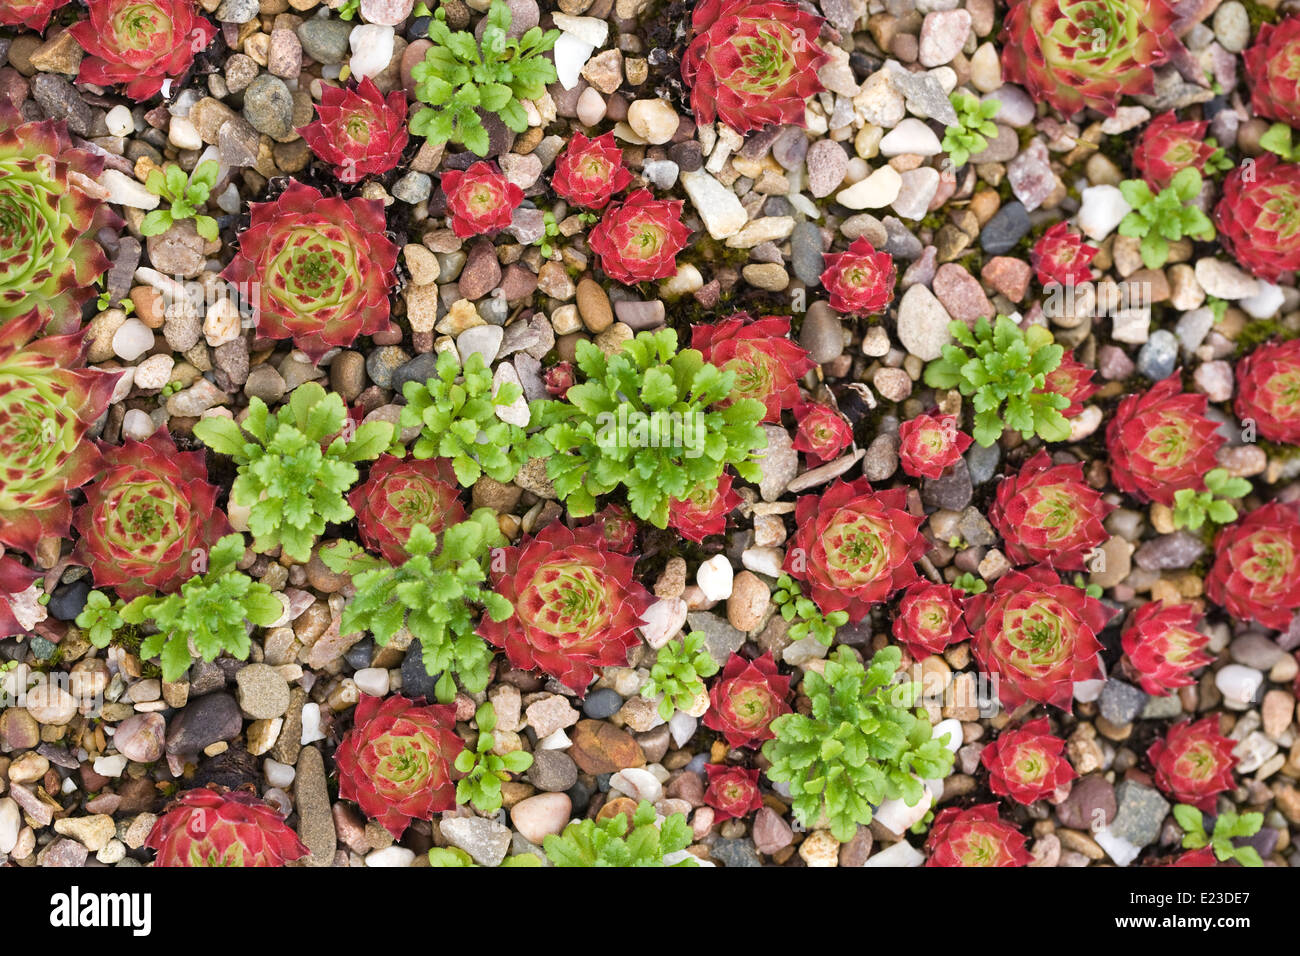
(538, 816)
(140, 738)
(1157, 358)
(1224, 280)
(125, 191)
(571, 55)
(717, 205)
(1030, 175)
(1101, 210)
(1232, 26)
(372, 50)
(392, 856)
(486, 841)
(942, 35)
(909, 136)
(822, 333)
(806, 256)
(827, 163)
(1018, 108)
(1007, 227)
(552, 771)
(878, 190)
(204, 721)
(268, 106)
(325, 40)
(262, 692)
(655, 120)
(715, 578)
(923, 323)
(484, 339)
(1239, 685)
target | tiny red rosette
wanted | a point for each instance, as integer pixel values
(1271, 68)
(745, 698)
(1047, 513)
(1258, 217)
(400, 493)
(590, 171)
(854, 547)
(1072, 379)
(732, 791)
(480, 200)
(1194, 762)
(1161, 442)
(140, 44)
(1167, 146)
(768, 365)
(1268, 391)
(930, 618)
(1062, 257)
(1164, 646)
(821, 432)
(617, 526)
(930, 444)
(358, 130)
(1027, 764)
(860, 280)
(975, 837)
(639, 239)
(704, 511)
(1256, 571)
(209, 828)
(397, 763)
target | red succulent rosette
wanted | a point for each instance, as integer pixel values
(1256, 572)
(1258, 216)
(732, 791)
(47, 404)
(146, 516)
(1268, 390)
(768, 365)
(559, 378)
(1167, 146)
(1194, 762)
(752, 63)
(821, 432)
(1077, 53)
(480, 200)
(1164, 646)
(1161, 442)
(1047, 513)
(854, 547)
(860, 280)
(1027, 764)
(639, 239)
(15, 578)
(930, 619)
(1072, 379)
(616, 525)
(577, 605)
(590, 171)
(930, 444)
(397, 763)
(975, 837)
(210, 828)
(358, 130)
(704, 511)
(1202, 857)
(1273, 67)
(746, 698)
(140, 43)
(32, 14)
(1038, 635)
(316, 268)
(401, 493)
(1062, 257)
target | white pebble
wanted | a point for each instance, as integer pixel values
(11, 823)
(132, 339)
(391, 856)
(111, 766)
(556, 741)
(154, 371)
(910, 136)
(592, 30)
(311, 728)
(119, 121)
(372, 681)
(1265, 303)
(1238, 684)
(125, 191)
(682, 728)
(571, 55)
(638, 784)
(876, 191)
(1102, 209)
(715, 578)
(182, 134)
(372, 49)
(137, 425)
(278, 774)
(901, 853)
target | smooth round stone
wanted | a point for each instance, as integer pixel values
(132, 339)
(591, 107)
(119, 121)
(539, 816)
(372, 681)
(602, 703)
(715, 578)
(1238, 684)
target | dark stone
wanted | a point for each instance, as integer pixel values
(899, 240)
(203, 722)
(1008, 225)
(952, 490)
(232, 768)
(416, 681)
(1121, 703)
(1079, 811)
(68, 599)
(419, 369)
(736, 853)
(552, 771)
(602, 703)
(59, 100)
(359, 654)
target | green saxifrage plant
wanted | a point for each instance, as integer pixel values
(862, 743)
(1158, 219)
(608, 842)
(292, 486)
(459, 76)
(1003, 369)
(100, 618)
(649, 419)
(974, 126)
(1227, 826)
(677, 674)
(484, 771)
(811, 622)
(1192, 508)
(186, 196)
(434, 594)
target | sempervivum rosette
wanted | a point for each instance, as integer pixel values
(1194, 762)
(1048, 513)
(49, 259)
(47, 405)
(1081, 53)
(975, 837)
(930, 618)
(1164, 646)
(1027, 764)
(1161, 442)
(317, 269)
(480, 200)
(1038, 635)
(358, 130)
(639, 239)
(732, 791)
(1258, 217)
(745, 698)
(576, 605)
(1062, 257)
(32, 14)
(1072, 379)
(590, 171)
(854, 547)
(616, 526)
(1268, 390)
(767, 363)
(752, 63)
(140, 43)
(17, 615)
(1167, 145)
(930, 444)
(145, 515)
(210, 828)
(860, 280)
(821, 432)
(397, 763)
(704, 511)
(1273, 67)
(1256, 572)
(400, 493)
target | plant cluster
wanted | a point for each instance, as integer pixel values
(973, 127)
(484, 770)
(186, 195)
(1160, 218)
(99, 618)
(1193, 508)
(676, 677)
(811, 621)
(1227, 827)
(614, 841)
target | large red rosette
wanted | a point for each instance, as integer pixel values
(207, 828)
(639, 239)
(1027, 764)
(1164, 646)
(1268, 390)
(1258, 217)
(1048, 513)
(1256, 571)
(480, 200)
(975, 837)
(358, 130)
(745, 698)
(1161, 442)
(768, 365)
(590, 171)
(1273, 68)
(577, 604)
(1194, 762)
(140, 43)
